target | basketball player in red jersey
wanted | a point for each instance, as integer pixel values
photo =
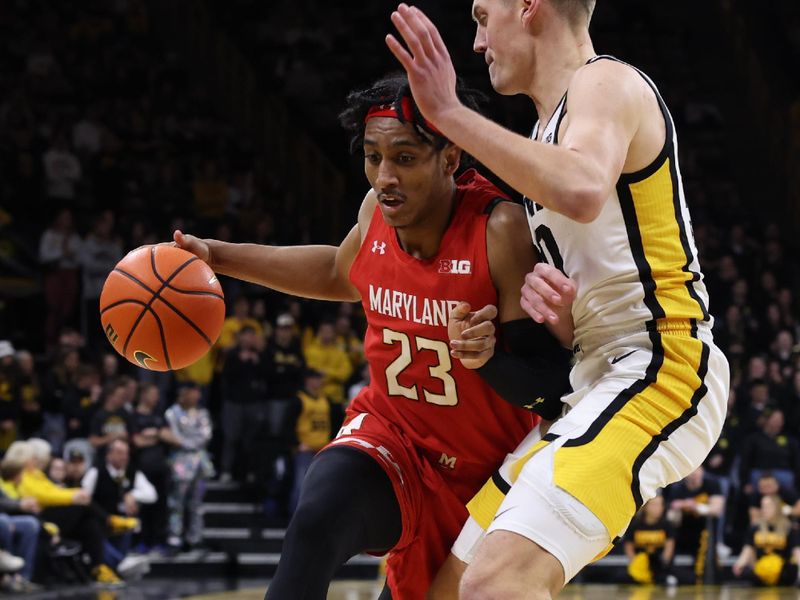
(422, 438)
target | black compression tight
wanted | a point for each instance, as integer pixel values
(347, 505)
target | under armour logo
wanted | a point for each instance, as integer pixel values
(378, 248)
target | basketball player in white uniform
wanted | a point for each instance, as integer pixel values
(606, 208)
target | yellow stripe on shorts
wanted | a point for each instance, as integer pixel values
(601, 467)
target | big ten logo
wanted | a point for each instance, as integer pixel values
(455, 267)
(111, 334)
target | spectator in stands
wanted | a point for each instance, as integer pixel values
(359, 385)
(308, 428)
(150, 437)
(770, 449)
(131, 392)
(62, 171)
(68, 508)
(119, 489)
(87, 133)
(210, 192)
(30, 391)
(771, 553)
(325, 356)
(19, 537)
(117, 486)
(348, 341)
(57, 471)
(60, 389)
(791, 404)
(760, 401)
(191, 467)
(768, 485)
(784, 351)
(649, 545)
(9, 395)
(101, 251)
(79, 407)
(694, 503)
(109, 368)
(244, 396)
(75, 467)
(285, 365)
(112, 421)
(59, 254)
(241, 317)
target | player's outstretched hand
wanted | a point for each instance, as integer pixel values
(472, 334)
(431, 74)
(192, 244)
(547, 295)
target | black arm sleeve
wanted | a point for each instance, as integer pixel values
(534, 372)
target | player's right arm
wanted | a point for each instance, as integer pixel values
(318, 272)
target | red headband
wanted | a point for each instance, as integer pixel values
(388, 110)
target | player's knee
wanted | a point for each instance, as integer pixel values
(488, 587)
(479, 584)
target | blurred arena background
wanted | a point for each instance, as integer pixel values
(121, 120)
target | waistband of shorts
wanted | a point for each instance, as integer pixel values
(682, 327)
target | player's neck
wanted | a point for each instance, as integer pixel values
(559, 54)
(422, 241)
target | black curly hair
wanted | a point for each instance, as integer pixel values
(391, 89)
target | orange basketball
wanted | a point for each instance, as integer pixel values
(162, 308)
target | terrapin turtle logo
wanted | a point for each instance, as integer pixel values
(142, 358)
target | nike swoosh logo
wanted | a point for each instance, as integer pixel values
(501, 513)
(616, 359)
(142, 358)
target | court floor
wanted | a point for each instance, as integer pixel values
(360, 590)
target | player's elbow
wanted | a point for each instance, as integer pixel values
(585, 203)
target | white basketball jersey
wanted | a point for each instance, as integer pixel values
(636, 264)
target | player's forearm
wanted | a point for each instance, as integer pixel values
(554, 176)
(308, 271)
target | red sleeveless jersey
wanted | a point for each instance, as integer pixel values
(444, 409)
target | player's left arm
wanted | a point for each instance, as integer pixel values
(575, 178)
(531, 369)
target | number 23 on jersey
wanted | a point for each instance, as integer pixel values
(440, 371)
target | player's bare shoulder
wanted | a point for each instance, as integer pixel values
(613, 90)
(507, 219)
(365, 212)
(509, 249)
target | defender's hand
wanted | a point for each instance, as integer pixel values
(472, 334)
(547, 294)
(431, 74)
(193, 244)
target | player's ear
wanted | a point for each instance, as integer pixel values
(529, 10)
(452, 158)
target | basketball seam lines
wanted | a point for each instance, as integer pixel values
(172, 287)
(168, 303)
(121, 302)
(157, 295)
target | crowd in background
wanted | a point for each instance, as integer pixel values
(111, 146)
